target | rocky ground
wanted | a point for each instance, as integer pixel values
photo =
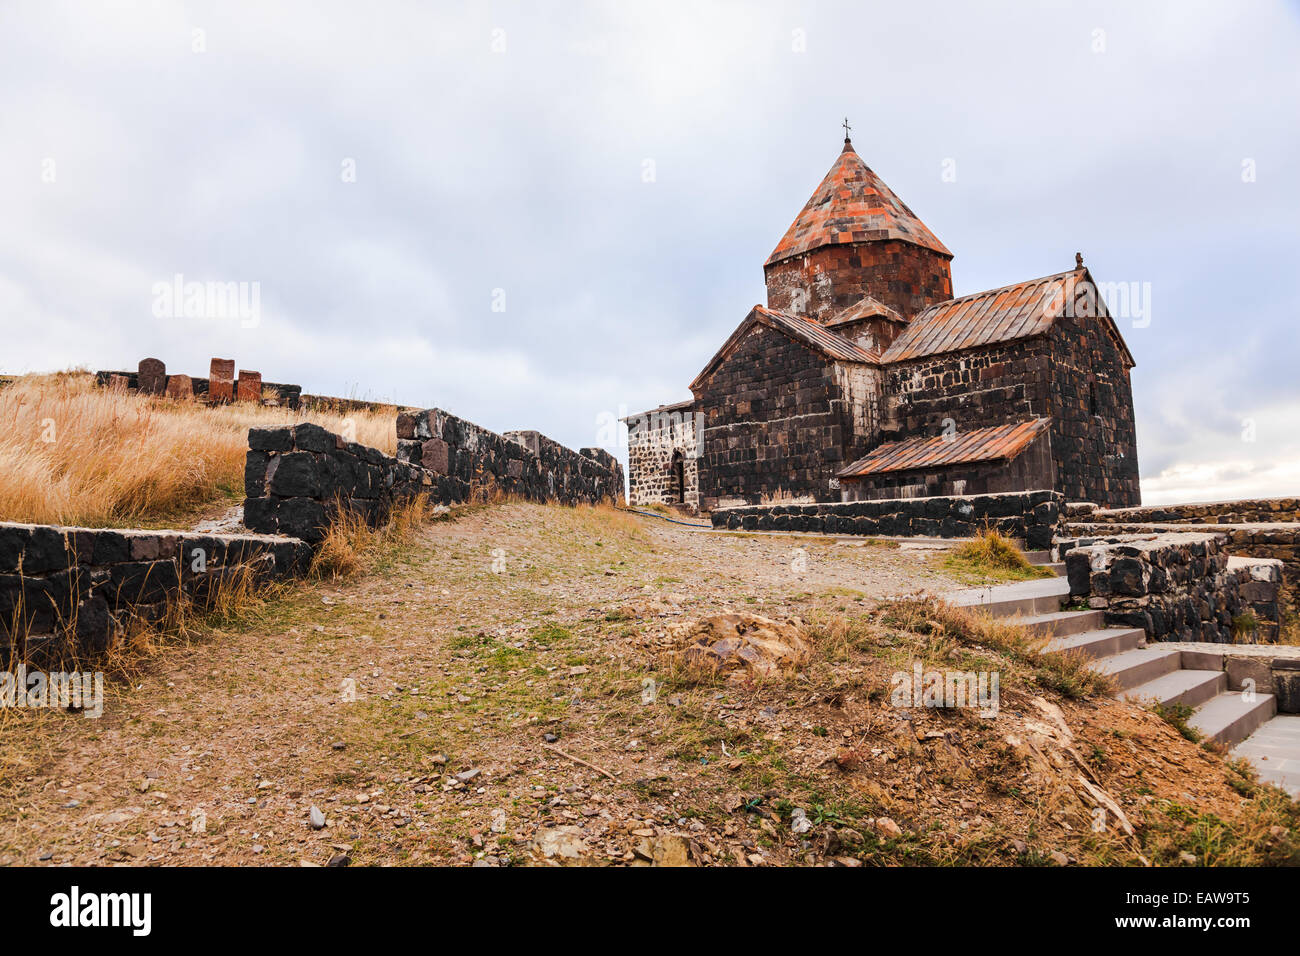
(497, 692)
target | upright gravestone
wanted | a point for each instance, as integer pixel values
(180, 387)
(152, 378)
(221, 380)
(249, 387)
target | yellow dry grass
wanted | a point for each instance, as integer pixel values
(74, 454)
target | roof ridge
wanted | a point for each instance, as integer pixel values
(1000, 288)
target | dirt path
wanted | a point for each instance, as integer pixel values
(248, 727)
(503, 670)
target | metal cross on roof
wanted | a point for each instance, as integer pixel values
(847, 127)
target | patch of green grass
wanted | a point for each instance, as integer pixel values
(1176, 715)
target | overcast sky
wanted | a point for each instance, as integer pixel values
(533, 215)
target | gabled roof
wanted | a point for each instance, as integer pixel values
(999, 442)
(853, 204)
(808, 332)
(864, 308)
(1012, 312)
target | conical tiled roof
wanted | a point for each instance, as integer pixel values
(853, 204)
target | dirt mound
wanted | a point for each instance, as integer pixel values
(742, 646)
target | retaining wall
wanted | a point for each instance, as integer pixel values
(524, 464)
(1180, 586)
(1253, 510)
(1034, 516)
(65, 588)
(297, 476)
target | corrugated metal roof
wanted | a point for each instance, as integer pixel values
(864, 308)
(805, 330)
(979, 444)
(814, 333)
(853, 204)
(999, 315)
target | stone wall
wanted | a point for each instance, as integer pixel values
(994, 385)
(296, 477)
(1175, 585)
(467, 461)
(775, 421)
(73, 589)
(1280, 542)
(1033, 516)
(825, 281)
(1094, 437)
(1253, 511)
(663, 457)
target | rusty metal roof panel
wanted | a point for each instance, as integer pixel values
(998, 315)
(816, 334)
(999, 442)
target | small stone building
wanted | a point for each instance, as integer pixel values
(863, 378)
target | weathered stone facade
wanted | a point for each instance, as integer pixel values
(892, 358)
(828, 280)
(663, 457)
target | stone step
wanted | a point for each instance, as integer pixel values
(1274, 749)
(1191, 688)
(1100, 643)
(1056, 567)
(1038, 557)
(1061, 623)
(1023, 597)
(1230, 718)
(1135, 667)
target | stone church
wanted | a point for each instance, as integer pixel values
(864, 378)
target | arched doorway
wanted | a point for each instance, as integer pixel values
(677, 479)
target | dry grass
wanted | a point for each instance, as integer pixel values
(74, 454)
(1066, 673)
(350, 543)
(992, 556)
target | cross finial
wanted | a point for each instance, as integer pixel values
(847, 127)
(1078, 260)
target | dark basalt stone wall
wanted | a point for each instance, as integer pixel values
(1175, 585)
(774, 421)
(468, 461)
(66, 589)
(1034, 516)
(1094, 436)
(297, 477)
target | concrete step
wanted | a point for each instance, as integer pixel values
(1022, 597)
(1056, 567)
(1191, 688)
(1061, 623)
(1101, 643)
(1135, 667)
(1229, 718)
(1274, 749)
(1038, 557)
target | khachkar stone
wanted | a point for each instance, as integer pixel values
(152, 378)
(221, 380)
(249, 388)
(180, 387)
